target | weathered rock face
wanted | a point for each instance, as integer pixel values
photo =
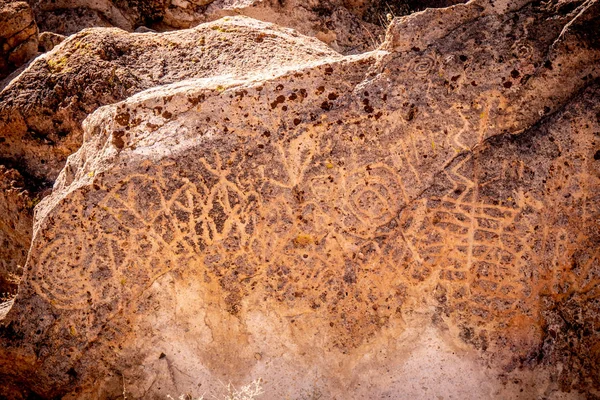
(72, 20)
(49, 40)
(18, 43)
(41, 110)
(18, 35)
(16, 208)
(348, 26)
(342, 25)
(343, 228)
(70, 16)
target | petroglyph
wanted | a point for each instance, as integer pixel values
(321, 218)
(423, 65)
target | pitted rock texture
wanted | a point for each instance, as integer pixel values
(70, 16)
(16, 208)
(49, 40)
(340, 24)
(41, 123)
(349, 27)
(72, 20)
(18, 35)
(318, 225)
(41, 110)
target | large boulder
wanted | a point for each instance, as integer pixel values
(42, 109)
(16, 208)
(18, 35)
(418, 221)
(70, 16)
(348, 26)
(342, 25)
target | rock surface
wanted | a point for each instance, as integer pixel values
(18, 44)
(339, 25)
(369, 226)
(16, 208)
(49, 40)
(330, 21)
(348, 26)
(345, 26)
(42, 109)
(18, 35)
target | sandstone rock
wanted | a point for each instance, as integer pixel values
(16, 208)
(427, 212)
(72, 20)
(349, 27)
(49, 40)
(41, 124)
(18, 35)
(69, 16)
(41, 110)
(329, 21)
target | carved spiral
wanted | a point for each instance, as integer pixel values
(58, 275)
(523, 49)
(373, 198)
(423, 65)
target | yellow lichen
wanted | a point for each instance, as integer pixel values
(303, 240)
(57, 64)
(31, 203)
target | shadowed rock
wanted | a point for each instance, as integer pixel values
(338, 23)
(18, 35)
(49, 40)
(17, 213)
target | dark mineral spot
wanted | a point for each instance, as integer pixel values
(122, 119)
(117, 139)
